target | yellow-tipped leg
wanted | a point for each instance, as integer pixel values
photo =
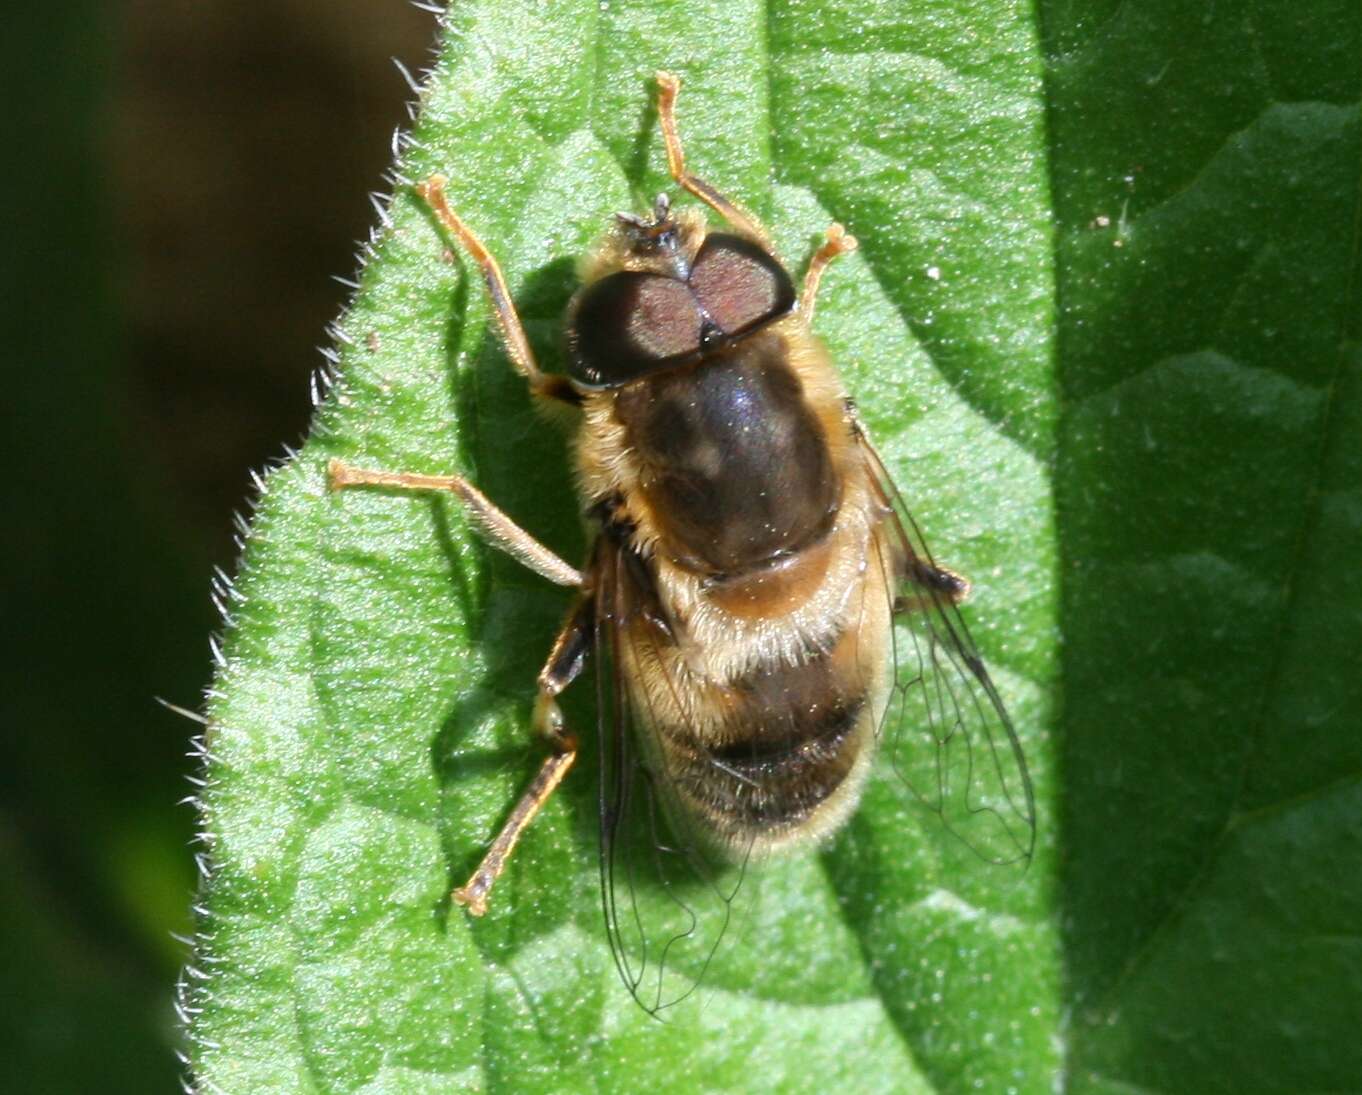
(837, 241)
(473, 894)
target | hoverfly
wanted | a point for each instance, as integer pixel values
(761, 606)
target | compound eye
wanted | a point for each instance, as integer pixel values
(739, 284)
(630, 323)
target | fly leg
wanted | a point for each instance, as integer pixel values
(574, 641)
(498, 529)
(513, 338)
(928, 581)
(564, 663)
(836, 241)
(668, 85)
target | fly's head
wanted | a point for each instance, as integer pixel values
(663, 291)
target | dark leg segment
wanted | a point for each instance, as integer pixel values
(564, 663)
(932, 579)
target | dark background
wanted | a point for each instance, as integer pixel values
(186, 177)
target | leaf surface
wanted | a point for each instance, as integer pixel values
(1208, 189)
(1168, 346)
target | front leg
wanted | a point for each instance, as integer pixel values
(668, 86)
(513, 337)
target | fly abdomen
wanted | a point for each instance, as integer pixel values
(762, 787)
(792, 748)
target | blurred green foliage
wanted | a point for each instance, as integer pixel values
(103, 611)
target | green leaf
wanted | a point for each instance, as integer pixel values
(1176, 364)
(1207, 169)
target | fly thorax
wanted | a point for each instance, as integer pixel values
(732, 460)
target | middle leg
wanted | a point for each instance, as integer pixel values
(498, 529)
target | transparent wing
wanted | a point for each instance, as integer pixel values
(945, 729)
(669, 897)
